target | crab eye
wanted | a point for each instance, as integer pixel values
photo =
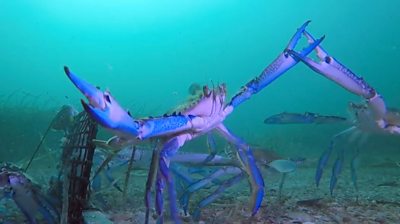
(328, 59)
(107, 98)
(286, 53)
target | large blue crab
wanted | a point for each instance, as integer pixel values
(371, 117)
(206, 115)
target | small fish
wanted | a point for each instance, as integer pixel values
(64, 118)
(306, 118)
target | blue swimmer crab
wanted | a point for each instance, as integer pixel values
(205, 115)
(371, 117)
(26, 195)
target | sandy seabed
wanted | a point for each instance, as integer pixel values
(377, 200)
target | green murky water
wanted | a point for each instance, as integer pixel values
(149, 52)
(146, 51)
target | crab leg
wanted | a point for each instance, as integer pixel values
(353, 168)
(151, 176)
(211, 145)
(336, 170)
(332, 69)
(160, 185)
(323, 160)
(249, 164)
(217, 193)
(168, 150)
(280, 65)
(212, 178)
(198, 159)
(207, 180)
(142, 161)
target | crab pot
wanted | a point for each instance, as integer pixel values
(76, 166)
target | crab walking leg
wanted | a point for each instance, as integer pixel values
(167, 156)
(128, 171)
(197, 159)
(182, 180)
(142, 161)
(160, 185)
(280, 65)
(332, 69)
(353, 171)
(324, 158)
(217, 193)
(249, 164)
(151, 176)
(201, 183)
(336, 170)
(212, 147)
(96, 179)
(168, 150)
(205, 181)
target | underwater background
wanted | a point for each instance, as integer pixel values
(147, 53)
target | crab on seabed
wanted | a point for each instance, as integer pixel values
(14, 184)
(174, 130)
(372, 117)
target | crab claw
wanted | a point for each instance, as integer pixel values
(314, 44)
(278, 67)
(104, 108)
(296, 37)
(321, 53)
(93, 94)
(332, 69)
(113, 117)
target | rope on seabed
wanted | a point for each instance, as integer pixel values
(40, 143)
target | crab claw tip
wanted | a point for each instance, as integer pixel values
(66, 70)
